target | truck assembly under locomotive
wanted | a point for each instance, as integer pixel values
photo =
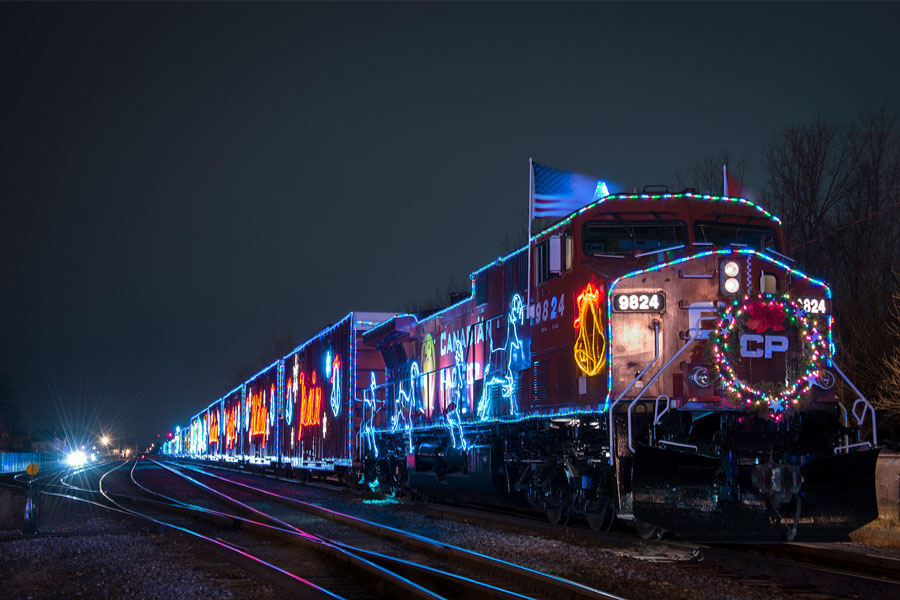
(663, 364)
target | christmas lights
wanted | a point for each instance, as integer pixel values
(310, 403)
(335, 398)
(369, 405)
(460, 398)
(748, 321)
(231, 427)
(406, 401)
(213, 426)
(511, 353)
(590, 346)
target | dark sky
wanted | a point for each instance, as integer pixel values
(182, 184)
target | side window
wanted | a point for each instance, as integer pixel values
(542, 262)
(481, 288)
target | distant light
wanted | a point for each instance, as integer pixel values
(105, 440)
(76, 458)
(93, 457)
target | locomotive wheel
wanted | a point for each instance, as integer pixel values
(558, 505)
(601, 518)
(558, 515)
(648, 531)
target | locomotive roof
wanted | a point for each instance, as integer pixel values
(738, 207)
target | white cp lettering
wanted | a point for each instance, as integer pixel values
(771, 344)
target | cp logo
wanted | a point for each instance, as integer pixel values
(750, 345)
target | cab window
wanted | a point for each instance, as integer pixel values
(605, 237)
(756, 237)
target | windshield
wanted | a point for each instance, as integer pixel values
(757, 237)
(604, 237)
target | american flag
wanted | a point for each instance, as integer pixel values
(559, 193)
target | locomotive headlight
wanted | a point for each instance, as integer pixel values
(699, 377)
(729, 272)
(731, 269)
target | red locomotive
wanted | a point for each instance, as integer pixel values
(663, 364)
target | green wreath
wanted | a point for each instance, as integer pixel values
(759, 314)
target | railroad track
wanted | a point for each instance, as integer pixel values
(278, 551)
(450, 571)
(799, 568)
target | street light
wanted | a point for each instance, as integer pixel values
(104, 440)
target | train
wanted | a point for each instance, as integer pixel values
(652, 358)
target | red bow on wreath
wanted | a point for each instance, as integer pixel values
(764, 317)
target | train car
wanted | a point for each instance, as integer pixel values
(324, 384)
(303, 411)
(260, 403)
(214, 429)
(664, 364)
(231, 433)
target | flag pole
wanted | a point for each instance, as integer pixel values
(530, 218)
(725, 179)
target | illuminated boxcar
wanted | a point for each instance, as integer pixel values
(303, 411)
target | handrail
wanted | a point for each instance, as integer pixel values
(680, 445)
(652, 381)
(848, 446)
(612, 454)
(866, 405)
(844, 408)
(860, 418)
(657, 251)
(658, 415)
(846, 424)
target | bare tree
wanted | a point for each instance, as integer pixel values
(810, 172)
(888, 399)
(837, 188)
(706, 176)
(453, 290)
(9, 411)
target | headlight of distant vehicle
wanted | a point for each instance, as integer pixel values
(76, 458)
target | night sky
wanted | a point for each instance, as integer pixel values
(183, 184)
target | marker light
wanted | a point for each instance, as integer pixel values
(732, 285)
(731, 268)
(699, 376)
(76, 458)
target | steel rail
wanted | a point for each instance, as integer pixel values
(558, 586)
(287, 532)
(737, 559)
(284, 579)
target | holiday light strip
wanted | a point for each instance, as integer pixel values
(357, 325)
(604, 406)
(572, 216)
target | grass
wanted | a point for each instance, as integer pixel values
(883, 532)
